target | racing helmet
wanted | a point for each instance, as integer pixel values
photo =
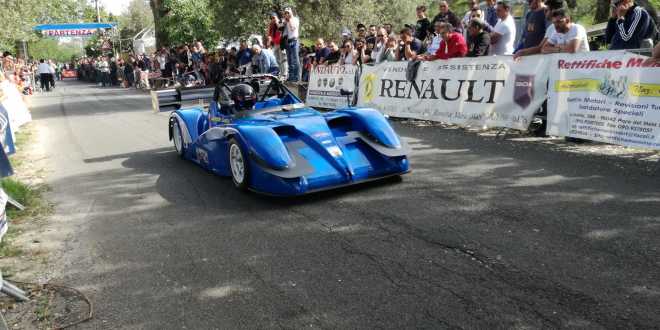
(244, 97)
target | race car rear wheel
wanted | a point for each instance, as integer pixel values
(238, 165)
(177, 137)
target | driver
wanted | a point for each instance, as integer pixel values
(244, 97)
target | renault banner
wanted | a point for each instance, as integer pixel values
(612, 97)
(325, 82)
(486, 91)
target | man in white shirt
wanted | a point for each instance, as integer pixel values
(162, 59)
(45, 76)
(291, 31)
(565, 36)
(503, 36)
(435, 42)
(104, 68)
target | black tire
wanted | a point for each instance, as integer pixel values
(239, 169)
(177, 138)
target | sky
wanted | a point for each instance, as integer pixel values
(115, 6)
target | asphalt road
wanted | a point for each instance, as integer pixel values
(485, 233)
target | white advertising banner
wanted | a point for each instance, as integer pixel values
(325, 82)
(611, 97)
(495, 91)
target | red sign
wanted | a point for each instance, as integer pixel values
(107, 45)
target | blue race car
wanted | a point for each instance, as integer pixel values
(259, 133)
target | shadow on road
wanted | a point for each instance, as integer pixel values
(483, 234)
(80, 101)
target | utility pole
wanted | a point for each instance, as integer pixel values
(98, 14)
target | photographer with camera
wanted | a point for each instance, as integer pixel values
(409, 46)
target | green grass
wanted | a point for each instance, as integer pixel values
(35, 207)
(22, 139)
(31, 197)
(7, 249)
(43, 310)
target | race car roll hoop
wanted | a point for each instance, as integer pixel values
(174, 98)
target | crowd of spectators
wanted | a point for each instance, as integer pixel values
(30, 75)
(547, 28)
(480, 31)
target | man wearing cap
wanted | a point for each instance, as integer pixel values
(291, 31)
(265, 60)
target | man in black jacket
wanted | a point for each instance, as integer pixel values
(629, 25)
(113, 72)
(447, 16)
(423, 27)
(478, 39)
(334, 55)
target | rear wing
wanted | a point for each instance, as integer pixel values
(173, 99)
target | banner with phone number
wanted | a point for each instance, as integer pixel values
(325, 83)
(611, 97)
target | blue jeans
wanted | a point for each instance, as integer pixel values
(292, 50)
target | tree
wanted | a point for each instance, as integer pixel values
(20, 17)
(137, 17)
(183, 21)
(319, 18)
(51, 49)
(158, 10)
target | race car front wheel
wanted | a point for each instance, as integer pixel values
(239, 165)
(177, 137)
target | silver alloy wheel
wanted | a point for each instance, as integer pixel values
(176, 136)
(237, 164)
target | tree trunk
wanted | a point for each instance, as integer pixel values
(159, 11)
(603, 11)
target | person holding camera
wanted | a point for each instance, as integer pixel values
(348, 54)
(409, 46)
(363, 53)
